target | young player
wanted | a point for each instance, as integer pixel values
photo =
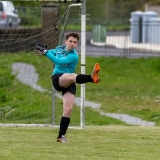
(64, 78)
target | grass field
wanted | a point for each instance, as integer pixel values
(129, 86)
(92, 143)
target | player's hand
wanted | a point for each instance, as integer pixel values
(41, 49)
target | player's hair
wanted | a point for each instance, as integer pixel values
(73, 34)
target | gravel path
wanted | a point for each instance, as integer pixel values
(26, 73)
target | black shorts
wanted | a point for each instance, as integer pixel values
(71, 88)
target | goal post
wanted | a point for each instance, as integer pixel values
(83, 61)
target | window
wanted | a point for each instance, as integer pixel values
(8, 6)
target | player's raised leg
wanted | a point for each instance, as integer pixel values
(67, 79)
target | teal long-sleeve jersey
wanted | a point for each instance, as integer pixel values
(65, 61)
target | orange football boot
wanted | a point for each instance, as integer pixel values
(95, 71)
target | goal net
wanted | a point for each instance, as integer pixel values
(26, 93)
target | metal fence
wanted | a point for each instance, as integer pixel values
(116, 41)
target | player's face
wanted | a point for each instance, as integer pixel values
(71, 43)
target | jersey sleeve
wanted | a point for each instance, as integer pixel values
(52, 51)
(70, 58)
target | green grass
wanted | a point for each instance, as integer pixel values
(22, 104)
(128, 86)
(109, 27)
(92, 143)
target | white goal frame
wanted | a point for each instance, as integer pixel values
(83, 62)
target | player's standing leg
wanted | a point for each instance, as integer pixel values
(68, 100)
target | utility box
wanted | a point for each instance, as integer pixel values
(99, 33)
(145, 25)
(154, 31)
(136, 27)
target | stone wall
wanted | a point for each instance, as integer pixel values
(24, 39)
(15, 40)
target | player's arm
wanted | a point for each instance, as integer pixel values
(52, 51)
(41, 49)
(64, 60)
